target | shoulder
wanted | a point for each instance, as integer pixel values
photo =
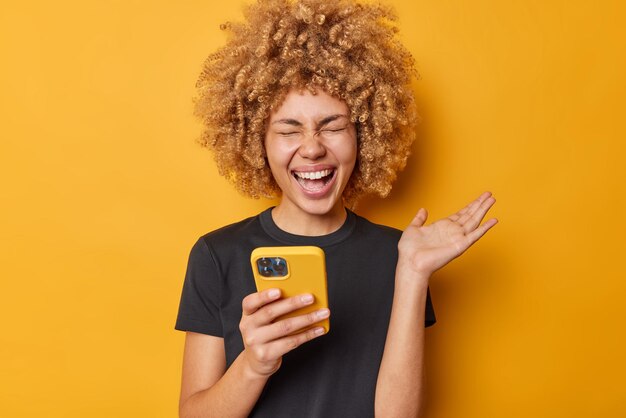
(232, 231)
(227, 237)
(370, 237)
(377, 231)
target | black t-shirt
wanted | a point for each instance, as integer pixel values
(335, 374)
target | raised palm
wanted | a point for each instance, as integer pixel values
(426, 249)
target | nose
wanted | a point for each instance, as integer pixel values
(312, 147)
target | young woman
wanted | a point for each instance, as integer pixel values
(310, 101)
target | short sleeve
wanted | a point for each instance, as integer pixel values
(199, 309)
(429, 315)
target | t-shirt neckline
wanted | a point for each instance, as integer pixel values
(270, 227)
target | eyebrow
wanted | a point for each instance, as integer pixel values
(320, 124)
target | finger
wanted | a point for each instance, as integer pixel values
(470, 223)
(266, 333)
(472, 205)
(271, 311)
(420, 217)
(288, 326)
(255, 301)
(481, 230)
(463, 219)
(284, 345)
(464, 210)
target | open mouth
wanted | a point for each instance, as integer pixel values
(314, 181)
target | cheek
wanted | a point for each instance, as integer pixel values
(349, 153)
(278, 155)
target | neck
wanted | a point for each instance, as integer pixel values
(294, 220)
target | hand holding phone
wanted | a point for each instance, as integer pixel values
(267, 338)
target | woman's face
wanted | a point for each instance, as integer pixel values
(311, 148)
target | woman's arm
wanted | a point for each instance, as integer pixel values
(422, 250)
(400, 378)
(209, 390)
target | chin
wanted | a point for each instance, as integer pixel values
(319, 207)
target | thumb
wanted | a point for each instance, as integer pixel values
(420, 217)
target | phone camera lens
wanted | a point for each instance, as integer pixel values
(266, 271)
(265, 262)
(279, 266)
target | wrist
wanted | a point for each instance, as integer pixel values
(407, 271)
(411, 284)
(249, 372)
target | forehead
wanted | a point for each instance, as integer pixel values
(303, 105)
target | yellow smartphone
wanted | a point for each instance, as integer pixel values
(294, 270)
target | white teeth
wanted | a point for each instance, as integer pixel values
(312, 175)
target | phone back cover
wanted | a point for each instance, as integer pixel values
(306, 274)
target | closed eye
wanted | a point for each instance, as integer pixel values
(334, 130)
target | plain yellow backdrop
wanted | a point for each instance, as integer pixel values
(104, 191)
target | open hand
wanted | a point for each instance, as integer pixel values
(425, 249)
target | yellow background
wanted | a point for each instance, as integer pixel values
(104, 192)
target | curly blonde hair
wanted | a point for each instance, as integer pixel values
(348, 50)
